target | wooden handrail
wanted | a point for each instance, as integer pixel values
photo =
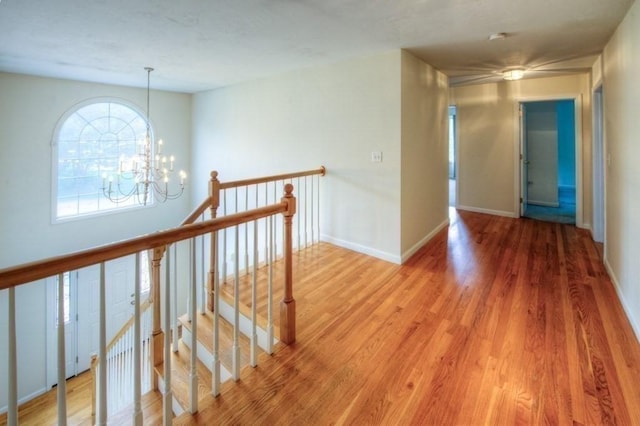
(143, 307)
(28, 272)
(195, 214)
(253, 181)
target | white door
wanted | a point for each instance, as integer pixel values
(88, 315)
(82, 304)
(119, 277)
(69, 319)
(524, 161)
(542, 153)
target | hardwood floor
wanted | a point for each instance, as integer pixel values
(496, 321)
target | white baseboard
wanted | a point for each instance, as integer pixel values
(407, 254)
(616, 284)
(24, 399)
(362, 249)
(488, 211)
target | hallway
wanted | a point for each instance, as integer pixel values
(495, 321)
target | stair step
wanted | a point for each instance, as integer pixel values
(151, 404)
(180, 362)
(205, 338)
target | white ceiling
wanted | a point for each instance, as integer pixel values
(197, 45)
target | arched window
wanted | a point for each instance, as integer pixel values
(88, 145)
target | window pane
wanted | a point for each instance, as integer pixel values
(91, 145)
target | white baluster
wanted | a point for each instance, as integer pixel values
(12, 367)
(318, 207)
(270, 288)
(167, 397)
(203, 277)
(215, 368)
(137, 377)
(254, 335)
(236, 314)
(266, 227)
(193, 376)
(274, 257)
(246, 233)
(224, 240)
(102, 352)
(256, 258)
(312, 224)
(62, 360)
(306, 238)
(174, 306)
(297, 219)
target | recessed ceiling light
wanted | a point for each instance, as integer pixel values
(515, 74)
(497, 36)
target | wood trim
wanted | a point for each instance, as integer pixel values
(254, 181)
(143, 307)
(28, 272)
(197, 212)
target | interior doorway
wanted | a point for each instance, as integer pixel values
(452, 156)
(548, 166)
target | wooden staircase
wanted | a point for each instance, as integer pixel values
(181, 358)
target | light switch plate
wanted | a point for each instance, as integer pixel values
(376, 157)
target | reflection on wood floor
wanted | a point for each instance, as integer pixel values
(495, 321)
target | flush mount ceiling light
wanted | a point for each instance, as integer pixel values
(497, 36)
(515, 74)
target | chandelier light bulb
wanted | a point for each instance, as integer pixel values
(146, 171)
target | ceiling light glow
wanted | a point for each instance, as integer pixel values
(497, 36)
(516, 74)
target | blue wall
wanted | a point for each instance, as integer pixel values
(566, 144)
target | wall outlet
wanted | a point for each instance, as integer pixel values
(376, 157)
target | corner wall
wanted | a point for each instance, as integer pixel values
(424, 177)
(621, 61)
(333, 115)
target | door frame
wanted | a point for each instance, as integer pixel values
(517, 181)
(598, 231)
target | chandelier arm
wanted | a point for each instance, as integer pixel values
(149, 172)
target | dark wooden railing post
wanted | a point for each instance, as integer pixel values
(288, 304)
(214, 196)
(157, 333)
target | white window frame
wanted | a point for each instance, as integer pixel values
(54, 161)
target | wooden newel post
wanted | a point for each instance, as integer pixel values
(214, 197)
(288, 304)
(157, 333)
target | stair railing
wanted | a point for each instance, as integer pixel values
(120, 363)
(159, 242)
(239, 195)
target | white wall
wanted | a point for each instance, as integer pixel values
(30, 108)
(333, 115)
(487, 139)
(425, 103)
(621, 61)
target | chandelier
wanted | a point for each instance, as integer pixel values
(147, 174)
